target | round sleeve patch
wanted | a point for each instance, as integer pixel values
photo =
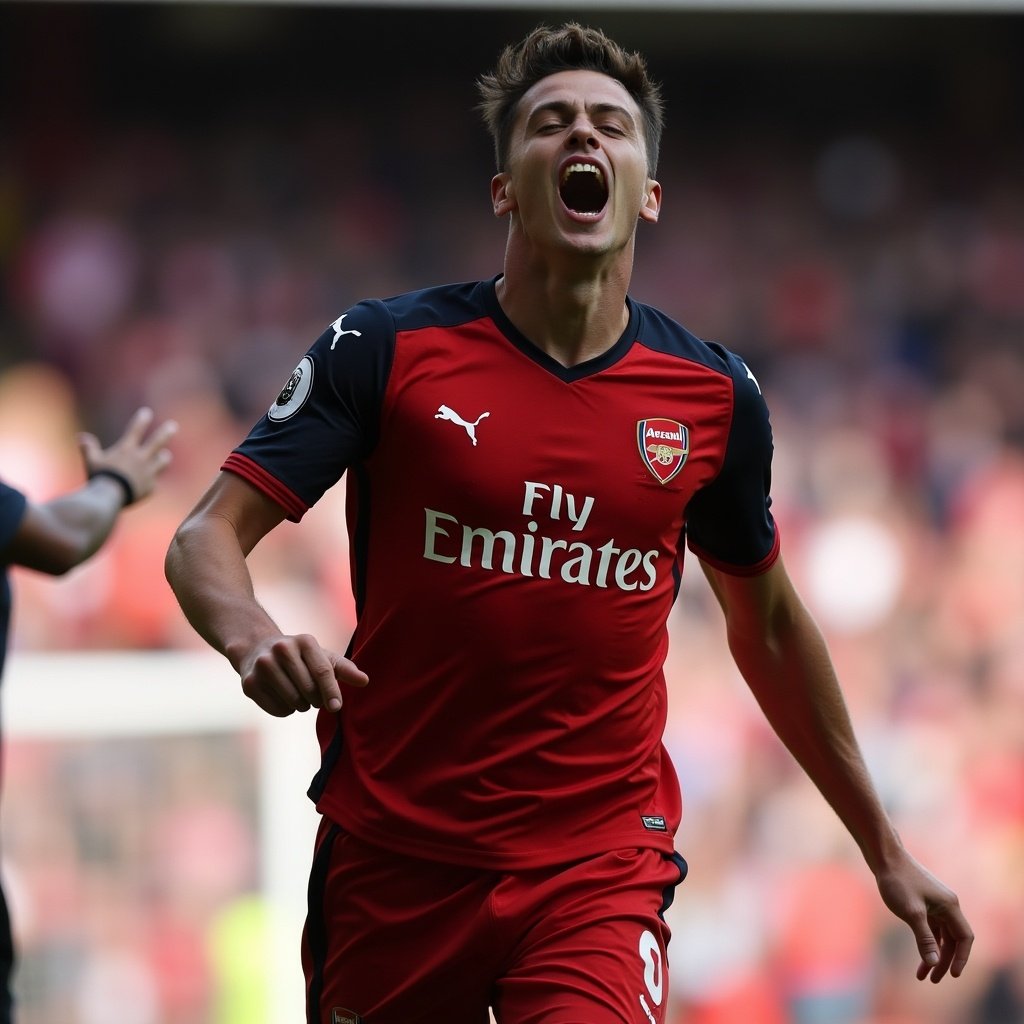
(295, 392)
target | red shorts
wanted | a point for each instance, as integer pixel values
(391, 939)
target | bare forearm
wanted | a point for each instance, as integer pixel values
(206, 567)
(783, 657)
(57, 535)
(88, 515)
(794, 682)
(208, 573)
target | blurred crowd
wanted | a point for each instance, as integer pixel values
(875, 285)
(131, 867)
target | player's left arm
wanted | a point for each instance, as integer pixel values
(782, 655)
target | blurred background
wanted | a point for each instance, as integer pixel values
(190, 192)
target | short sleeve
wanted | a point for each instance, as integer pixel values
(326, 416)
(729, 522)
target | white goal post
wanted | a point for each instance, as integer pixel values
(97, 695)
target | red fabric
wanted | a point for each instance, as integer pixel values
(401, 939)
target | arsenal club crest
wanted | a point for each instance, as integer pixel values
(664, 445)
(340, 1016)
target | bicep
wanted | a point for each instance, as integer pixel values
(232, 508)
(755, 605)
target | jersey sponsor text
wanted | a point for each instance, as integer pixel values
(530, 553)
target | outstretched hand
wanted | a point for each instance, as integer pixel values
(138, 456)
(943, 936)
(285, 674)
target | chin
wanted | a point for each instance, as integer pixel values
(595, 242)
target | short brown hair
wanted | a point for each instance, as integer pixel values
(572, 47)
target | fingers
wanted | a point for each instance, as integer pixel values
(89, 446)
(346, 672)
(945, 944)
(328, 672)
(137, 425)
(927, 943)
(323, 690)
(955, 940)
(924, 967)
(136, 456)
(932, 910)
(962, 951)
(294, 673)
(280, 676)
(152, 451)
(159, 438)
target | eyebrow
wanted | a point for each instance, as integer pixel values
(564, 107)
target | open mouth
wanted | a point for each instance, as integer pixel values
(583, 188)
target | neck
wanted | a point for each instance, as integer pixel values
(574, 311)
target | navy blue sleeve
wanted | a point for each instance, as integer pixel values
(729, 522)
(12, 510)
(326, 416)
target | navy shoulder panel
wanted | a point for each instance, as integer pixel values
(660, 332)
(729, 522)
(441, 306)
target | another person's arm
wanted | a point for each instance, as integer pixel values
(782, 655)
(206, 567)
(56, 535)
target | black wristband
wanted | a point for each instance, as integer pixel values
(126, 484)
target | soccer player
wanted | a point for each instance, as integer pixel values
(527, 457)
(56, 535)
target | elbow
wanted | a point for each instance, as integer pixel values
(172, 558)
(179, 553)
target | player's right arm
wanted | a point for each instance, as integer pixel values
(207, 570)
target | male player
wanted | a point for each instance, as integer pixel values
(527, 458)
(56, 535)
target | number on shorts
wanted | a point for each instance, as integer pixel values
(650, 953)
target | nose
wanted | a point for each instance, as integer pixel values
(582, 135)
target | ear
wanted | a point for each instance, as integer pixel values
(652, 202)
(502, 194)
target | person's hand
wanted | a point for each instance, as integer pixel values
(285, 674)
(943, 936)
(135, 459)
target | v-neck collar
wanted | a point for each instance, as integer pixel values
(567, 373)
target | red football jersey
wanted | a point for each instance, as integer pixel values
(517, 535)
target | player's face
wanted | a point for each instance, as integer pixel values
(577, 167)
